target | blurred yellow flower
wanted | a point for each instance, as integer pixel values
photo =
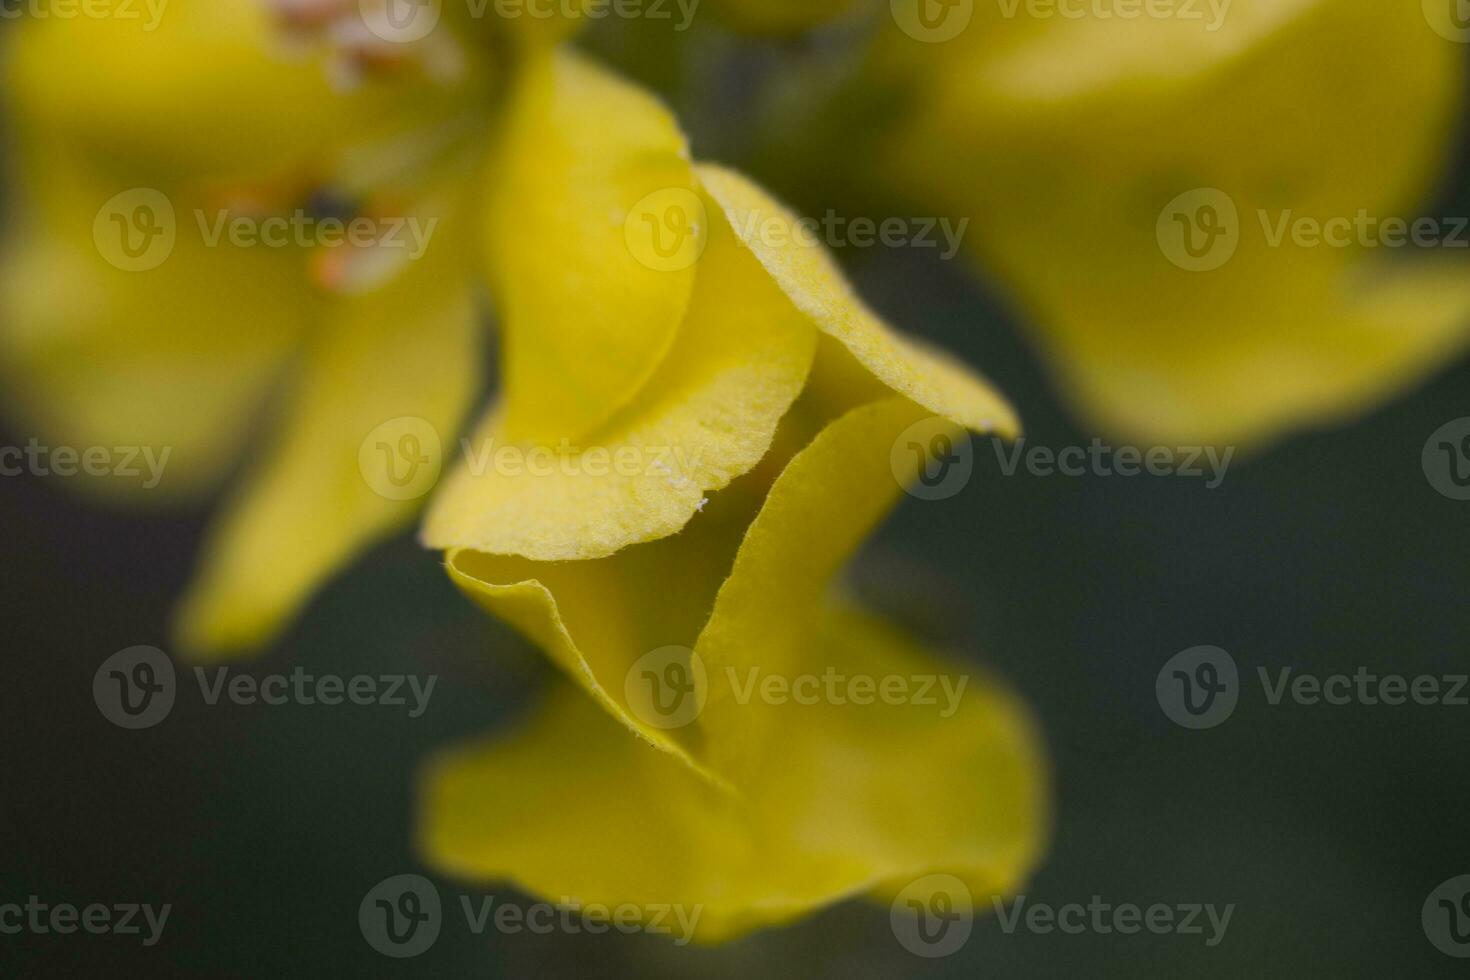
(1155, 190)
(242, 204)
(760, 405)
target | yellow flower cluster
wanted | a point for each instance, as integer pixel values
(1153, 190)
(723, 420)
(639, 309)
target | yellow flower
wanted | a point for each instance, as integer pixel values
(766, 411)
(1086, 149)
(137, 313)
(650, 306)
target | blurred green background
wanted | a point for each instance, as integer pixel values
(1326, 826)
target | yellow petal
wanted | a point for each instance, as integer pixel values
(857, 800)
(595, 619)
(98, 351)
(1300, 347)
(1068, 141)
(598, 620)
(586, 321)
(711, 409)
(827, 501)
(708, 415)
(723, 817)
(378, 402)
(810, 277)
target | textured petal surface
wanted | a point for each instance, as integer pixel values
(595, 619)
(859, 800)
(708, 415)
(810, 277)
(826, 502)
(764, 579)
(587, 322)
